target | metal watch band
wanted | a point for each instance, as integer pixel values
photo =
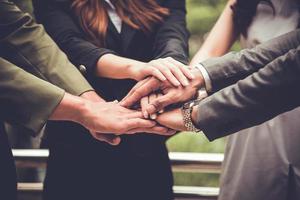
(186, 110)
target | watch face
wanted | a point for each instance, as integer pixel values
(187, 105)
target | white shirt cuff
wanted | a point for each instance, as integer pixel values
(207, 80)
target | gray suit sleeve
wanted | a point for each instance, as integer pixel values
(272, 90)
(227, 70)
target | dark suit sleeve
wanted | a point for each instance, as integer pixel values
(172, 36)
(25, 99)
(27, 45)
(56, 17)
(227, 70)
(272, 90)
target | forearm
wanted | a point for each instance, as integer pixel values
(256, 99)
(235, 66)
(116, 67)
(221, 37)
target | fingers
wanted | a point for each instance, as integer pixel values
(159, 95)
(108, 138)
(134, 115)
(152, 98)
(138, 85)
(144, 104)
(158, 74)
(184, 69)
(176, 71)
(137, 93)
(138, 123)
(158, 130)
(159, 103)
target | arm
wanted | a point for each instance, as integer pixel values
(29, 101)
(220, 38)
(272, 90)
(26, 99)
(25, 42)
(56, 17)
(101, 62)
(172, 35)
(229, 69)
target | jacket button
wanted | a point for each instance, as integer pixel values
(82, 69)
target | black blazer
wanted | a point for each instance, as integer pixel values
(169, 38)
(263, 83)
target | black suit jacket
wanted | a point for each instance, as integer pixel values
(169, 38)
(263, 82)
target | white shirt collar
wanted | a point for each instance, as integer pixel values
(110, 4)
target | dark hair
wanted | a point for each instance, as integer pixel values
(244, 11)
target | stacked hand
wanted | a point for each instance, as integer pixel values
(162, 82)
(151, 102)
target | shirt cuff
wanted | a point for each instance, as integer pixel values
(207, 80)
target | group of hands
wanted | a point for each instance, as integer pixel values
(146, 108)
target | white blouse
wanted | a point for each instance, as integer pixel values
(114, 17)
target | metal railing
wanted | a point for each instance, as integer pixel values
(181, 162)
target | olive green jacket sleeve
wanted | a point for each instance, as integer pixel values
(26, 44)
(26, 100)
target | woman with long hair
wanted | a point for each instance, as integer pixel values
(260, 162)
(114, 43)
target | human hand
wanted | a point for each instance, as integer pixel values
(147, 101)
(170, 95)
(109, 117)
(164, 69)
(108, 138)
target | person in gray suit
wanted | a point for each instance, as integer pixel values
(269, 150)
(247, 88)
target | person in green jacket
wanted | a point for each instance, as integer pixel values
(37, 83)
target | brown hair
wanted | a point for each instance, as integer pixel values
(141, 15)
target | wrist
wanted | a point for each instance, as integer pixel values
(134, 70)
(194, 114)
(198, 81)
(92, 96)
(70, 109)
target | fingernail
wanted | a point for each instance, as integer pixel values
(192, 76)
(145, 114)
(161, 111)
(153, 116)
(177, 83)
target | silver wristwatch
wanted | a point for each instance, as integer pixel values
(186, 110)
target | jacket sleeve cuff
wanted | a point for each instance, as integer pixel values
(41, 111)
(89, 61)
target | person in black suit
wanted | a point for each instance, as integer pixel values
(114, 43)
